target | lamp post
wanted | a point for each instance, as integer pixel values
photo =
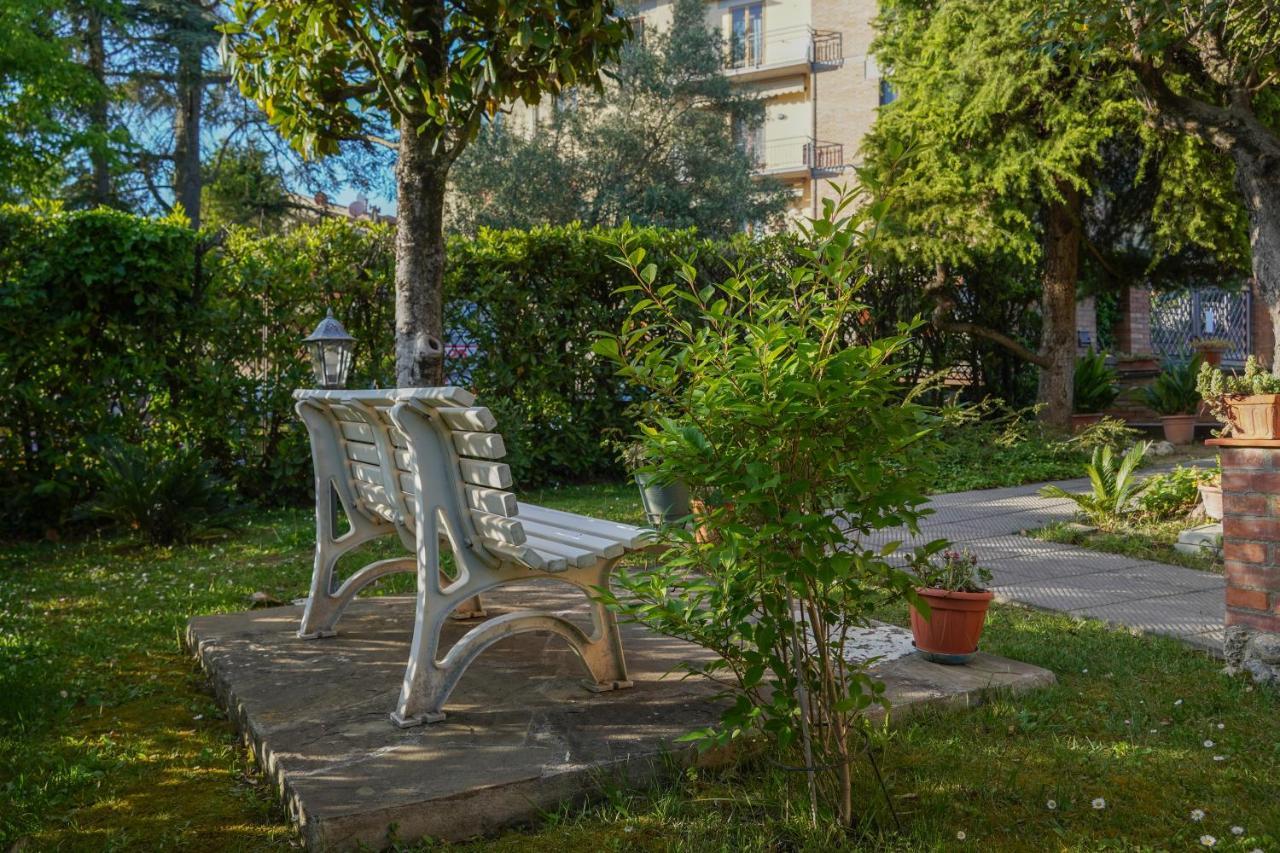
(331, 349)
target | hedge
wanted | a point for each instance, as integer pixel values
(121, 328)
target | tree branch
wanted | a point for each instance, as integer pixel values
(1000, 338)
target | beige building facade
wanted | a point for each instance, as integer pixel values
(811, 64)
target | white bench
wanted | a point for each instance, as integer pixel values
(422, 463)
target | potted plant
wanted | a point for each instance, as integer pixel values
(705, 511)
(953, 590)
(1211, 494)
(1094, 390)
(1248, 402)
(1210, 350)
(664, 502)
(1174, 396)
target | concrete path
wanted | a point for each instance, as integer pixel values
(1142, 595)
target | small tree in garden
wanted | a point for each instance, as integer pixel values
(806, 440)
(428, 72)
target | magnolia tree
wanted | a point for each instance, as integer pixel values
(425, 73)
(800, 443)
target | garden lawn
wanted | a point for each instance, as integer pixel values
(110, 740)
(1143, 540)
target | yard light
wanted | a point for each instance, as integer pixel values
(331, 348)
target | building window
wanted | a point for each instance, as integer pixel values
(746, 35)
(637, 29)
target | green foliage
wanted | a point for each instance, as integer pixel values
(1108, 432)
(986, 445)
(1095, 387)
(956, 571)
(656, 146)
(805, 440)
(1173, 494)
(164, 494)
(1175, 391)
(1114, 482)
(327, 70)
(243, 187)
(1216, 386)
(100, 335)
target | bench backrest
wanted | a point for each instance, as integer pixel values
(382, 470)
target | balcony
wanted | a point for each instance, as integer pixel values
(789, 50)
(796, 157)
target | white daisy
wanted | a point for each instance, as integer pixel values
(1099, 803)
(1051, 805)
(1197, 815)
(1208, 744)
(1237, 830)
(1177, 702)
(1208, 840)
(960, 836)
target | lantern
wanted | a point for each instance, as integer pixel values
(331, 349)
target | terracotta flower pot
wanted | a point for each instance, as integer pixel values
(1080, 421)
(1211, 496)
(950, 634)
(1210, 355)
(1179, 429)
(702, 533)
(1255, 416)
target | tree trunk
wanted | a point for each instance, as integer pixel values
(1058, 337)
(186, 131)
(99, 116)
(1258, 182)
(420, 184)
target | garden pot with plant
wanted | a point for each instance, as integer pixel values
(707, 514)
(1248, 402)
(953, 591)
(1094, 390)
(1175, 398)
(1211, 493)
(1210, 350)
(665, 501)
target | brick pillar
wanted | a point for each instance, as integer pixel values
(1133, 329)
(1087, 322)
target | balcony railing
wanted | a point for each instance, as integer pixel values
(784, 47)
(796, 156)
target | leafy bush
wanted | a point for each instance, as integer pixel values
(1173, 494)
(1114, 433)
(806, 439)
(1095, 386)
(1174, 391)
(956, 571)
(986, 444)
(167, 496)
(1114, 482)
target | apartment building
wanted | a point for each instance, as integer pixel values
(810, 62)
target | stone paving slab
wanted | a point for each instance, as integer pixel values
(522, 733)
(1183, 615)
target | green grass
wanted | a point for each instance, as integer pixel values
(109, 739)
(1141, 539)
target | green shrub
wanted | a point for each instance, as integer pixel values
(805, 439)
(1114, 486)
(1173, 494)
(986, 444)
(1095, 386)
(1174, 391)
(165, 495)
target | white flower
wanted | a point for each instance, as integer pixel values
(1154, 731)
(1219, 758)
(1237, 830)
(1128, 722)
(960, 836)
(1177, 702)
(1099, 803)
(62, 693)
(1084, 670)
(1051, 805)
(1221, 726)
(628, 829)
(1208, 840)
(1208, 744)
(1197, 815)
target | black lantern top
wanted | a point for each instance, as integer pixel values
(331, 348)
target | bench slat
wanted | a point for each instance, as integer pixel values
(495, 475)
(360, 452)
(375, 499)
(526, 556)
(353, 431)
(491, 500)
(476, 418)
(574, 555)
(629, 536)
(498, 528)
(607, 548)
(480, 445)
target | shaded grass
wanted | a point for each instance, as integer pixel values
(136, 756)
(1141, 539)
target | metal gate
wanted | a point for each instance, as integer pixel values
(1179, 317)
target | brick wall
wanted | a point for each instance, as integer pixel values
(1251, 536)
(1087, 322)
(1133, 330)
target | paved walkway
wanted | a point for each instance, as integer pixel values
(1142, 595)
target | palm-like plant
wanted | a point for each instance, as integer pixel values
(1115, 485)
